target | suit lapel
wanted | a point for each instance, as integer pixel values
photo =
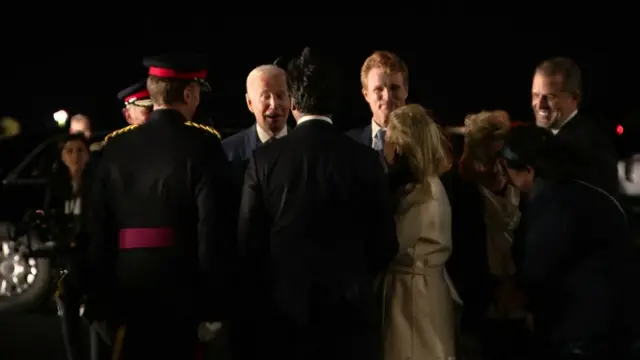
(252, 141)
(366, 136)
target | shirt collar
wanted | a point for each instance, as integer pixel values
(374, 129)
(264, 136)
(315, 117)
(573, 114)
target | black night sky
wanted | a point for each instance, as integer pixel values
(454, 69)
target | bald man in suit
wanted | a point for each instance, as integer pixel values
(268, 100)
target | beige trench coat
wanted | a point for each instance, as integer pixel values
(418, 319)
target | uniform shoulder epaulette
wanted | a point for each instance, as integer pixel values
(204, 127)
(96, 146)
(118, 132)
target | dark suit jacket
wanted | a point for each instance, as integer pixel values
(316, 221)
(576, 239)
(239, 146)
(596, 156)
(361, 135)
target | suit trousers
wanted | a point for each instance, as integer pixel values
(331, 333)
(157, 339)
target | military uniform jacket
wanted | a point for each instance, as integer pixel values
(165, 180)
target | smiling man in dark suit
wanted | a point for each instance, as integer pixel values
(555, 97)
(268, 100)
(316, 228)
(385, 86)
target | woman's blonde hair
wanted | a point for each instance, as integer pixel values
(417, 136)
(484, 134)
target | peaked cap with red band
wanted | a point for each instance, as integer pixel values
(180, 67)
(136, 94)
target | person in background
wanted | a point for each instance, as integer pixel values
(65, 187)
(80, 123)
(418, 319)
(385, 87)
(137, 103)
(556, 92)
(65, 199)
(487, 237)
(577, 236)
(316, 228)
(136, 110)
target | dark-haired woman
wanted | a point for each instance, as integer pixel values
(64, 200)
(574, 245)
(65, 186)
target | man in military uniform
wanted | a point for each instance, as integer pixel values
(137, 106)
(137, 103)
(158, 220)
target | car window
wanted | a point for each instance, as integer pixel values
(14, 150)
(39, 164)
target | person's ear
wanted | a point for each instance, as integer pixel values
(249, 104)
(577, 96)
(125, 114)
(190, 92)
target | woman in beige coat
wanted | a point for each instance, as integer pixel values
(418, 320)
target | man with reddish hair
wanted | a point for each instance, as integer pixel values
(385, 86)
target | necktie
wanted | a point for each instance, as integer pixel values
(270, 140)
(378, 140)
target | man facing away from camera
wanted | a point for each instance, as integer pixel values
(316, 226)
(159, 221)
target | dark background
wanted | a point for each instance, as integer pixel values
(458, 64)
(455, 67)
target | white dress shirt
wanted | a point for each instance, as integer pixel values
(573, 114)
(314, 117)
(264, 136)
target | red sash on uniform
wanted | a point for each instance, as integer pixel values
(137, 238)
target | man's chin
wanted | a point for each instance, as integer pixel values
(275, 125)
(543, 122)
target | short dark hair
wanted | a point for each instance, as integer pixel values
(73, 137)
(166, 91)
(567, 69)
(313, 84)
(534, 146)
